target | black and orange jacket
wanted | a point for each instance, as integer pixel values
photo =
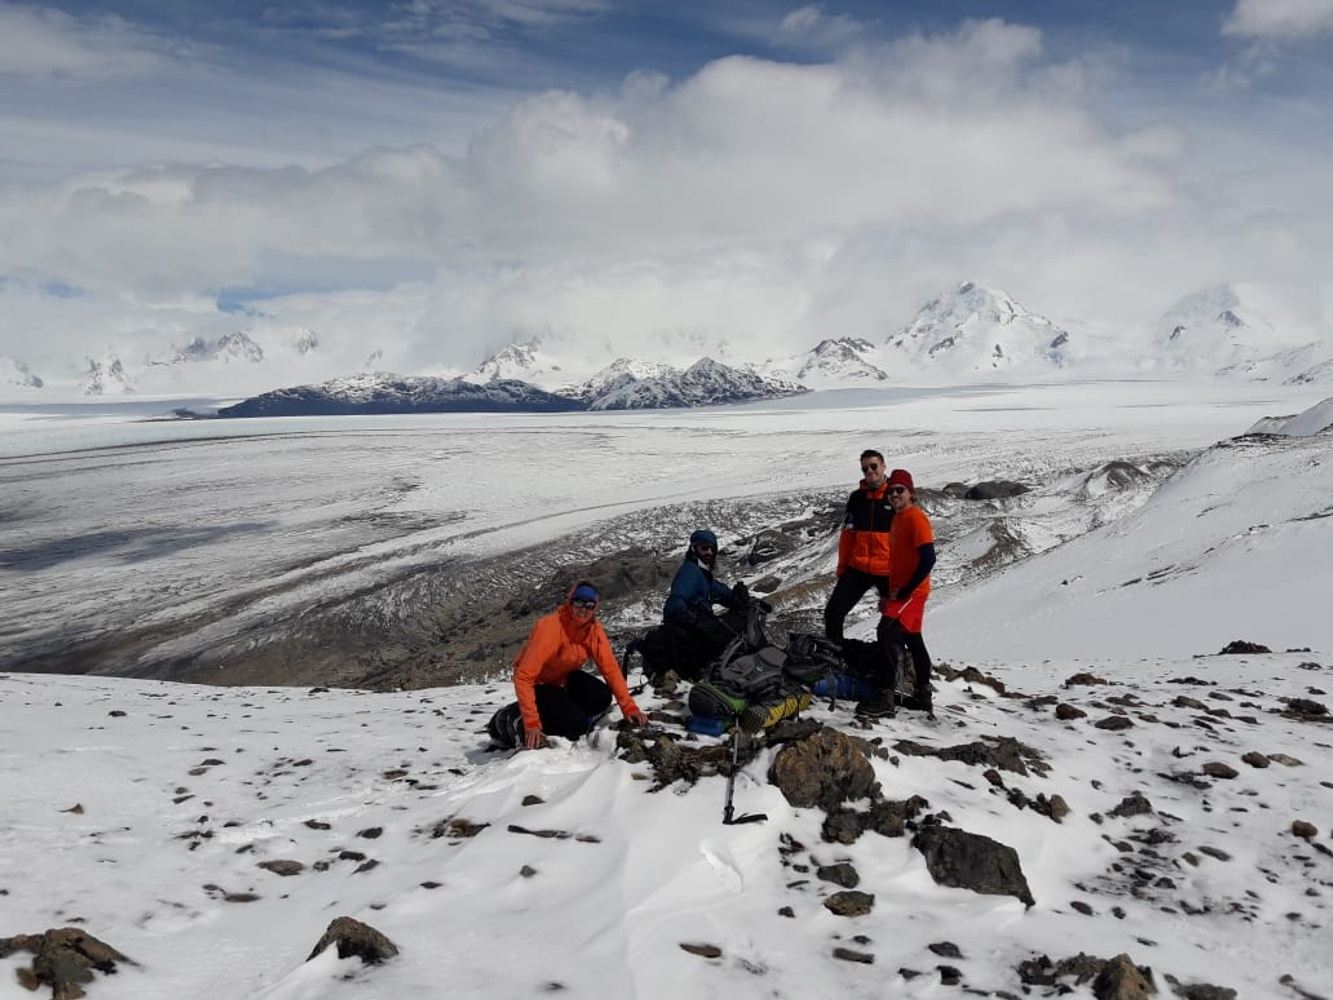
(864, 542)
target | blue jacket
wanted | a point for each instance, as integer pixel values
(694, 592)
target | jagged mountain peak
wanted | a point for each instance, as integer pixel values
(106, 377)
(15, 373)
(235, 346)
(706, 382)
(975, 329)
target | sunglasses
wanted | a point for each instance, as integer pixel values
(872, 467)
(897, 489)
(583, 605)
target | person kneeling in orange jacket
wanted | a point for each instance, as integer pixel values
(555, 695)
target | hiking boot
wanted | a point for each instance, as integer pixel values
(881, 706)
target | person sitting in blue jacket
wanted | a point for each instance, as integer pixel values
(694, 633)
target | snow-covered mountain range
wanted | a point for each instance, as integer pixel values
(384, 392)
(969, 333)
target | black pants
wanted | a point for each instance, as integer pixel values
(849, 589)
(891, 633)
(689, 646)
(570, 711)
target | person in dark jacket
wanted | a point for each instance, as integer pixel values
(698, 634)
(863, 545)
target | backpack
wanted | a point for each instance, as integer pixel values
(748, 683)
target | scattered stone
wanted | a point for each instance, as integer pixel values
(1054, 807)
(993, 776)
(970, 861)
(824, 770)
(842, 874)
(64, 959)
(1255, 759)
(886, 817)
(1304, 708)
(702, 950)
(1121, 979)
(946, 949)
(116, 713)
(1067, 713)
(851, 955)
(1217, 769)
(1185, 701)
(850, 903)
(527, 871)
(1238, 647)
(1199, 991)
(371, 832)
(353, 938)
(368, 865)
(673, 761)
(949, 976)
(315, 824)
(970, 675)
(1134, 804)
(995, 489)
(1082, 907)
(1306, 831)
(241, 897)
(1115, 723)
(351, 856)
(76, 809)
(1003, 752)
(1286, 760)
(394, 774)
(284, 868)
(1215, 852)
(532, 800)
(431, 885)
(1083, 680)
(786, 911)
(456, 827)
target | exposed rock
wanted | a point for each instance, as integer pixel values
(824, 770)
(970, 675)
(1134, 804)
(995, 489)
(1067, 713)
(1003, 752)
(353, 938)
(1304, 708)
(1055, 807)
(851, 955)
(1083, 679)
(850, 903)
(284, 868)
(673, 761)
(1286, 760)
(1217, 769)
(1115, 723)
(971, 861)
(702, 950)
(1304, 830)
(1255, 759)
(1241, 647)
(842, 874)
(945, 949)
(1185, 701)
(949, 976)
(64, 959)
(888, 818)
(1121, 979)
(1199, 991)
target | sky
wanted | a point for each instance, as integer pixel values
(436, 179)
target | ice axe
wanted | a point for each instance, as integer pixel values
(728, 812)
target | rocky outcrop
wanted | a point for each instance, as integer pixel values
(352, 938)
(824, 770)
(64, 959)
(971, 861)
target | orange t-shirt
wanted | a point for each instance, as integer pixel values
(911, 529)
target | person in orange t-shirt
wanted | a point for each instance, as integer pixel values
(911, 558)
(555, 695)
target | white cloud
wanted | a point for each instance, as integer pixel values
(755, 200)
(1280, 19)
(44, 42)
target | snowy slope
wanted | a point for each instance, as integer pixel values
(976, 330)
(833, 362)
(157, 803)
(620, 372)
(1240, 330)
(1238, 540)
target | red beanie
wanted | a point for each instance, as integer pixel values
(901, 477)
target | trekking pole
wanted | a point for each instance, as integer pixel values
(727, 811)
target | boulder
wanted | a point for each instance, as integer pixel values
(353, 938)
(850, 903)
(995, 489)
(1121, 979)
(824, 770)
(971, 861)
